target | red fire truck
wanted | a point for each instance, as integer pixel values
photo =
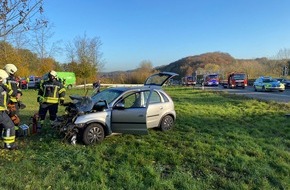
(237, 79)
(188, 80)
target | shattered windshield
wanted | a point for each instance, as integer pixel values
(109, 95)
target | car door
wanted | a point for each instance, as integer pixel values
(258, 84)
(155, 109)
(155, 106)
(129, 115)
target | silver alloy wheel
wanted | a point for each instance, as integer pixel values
(94, 133)
(166, 123)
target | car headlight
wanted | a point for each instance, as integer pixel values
(80, 125)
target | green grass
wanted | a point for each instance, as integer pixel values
(220, 141)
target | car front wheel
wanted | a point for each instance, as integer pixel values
(94, 133)
(166, 123)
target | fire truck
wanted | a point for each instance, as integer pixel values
(211, 80)
(188, 80)
(236, 80)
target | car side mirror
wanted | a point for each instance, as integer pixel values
(100, 106)
(120, 106)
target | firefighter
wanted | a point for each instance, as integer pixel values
(5, 120)
(13, 85)
(15, 94)
(50, 94)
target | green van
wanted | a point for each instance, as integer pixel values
(67, 78)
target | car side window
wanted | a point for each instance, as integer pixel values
(164, 97)
(134, 101)
(154, 98)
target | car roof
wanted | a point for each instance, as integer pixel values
(265, 77)
(135, 88)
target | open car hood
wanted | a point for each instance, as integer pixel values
(159, 79)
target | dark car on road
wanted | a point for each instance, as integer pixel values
(286, 82)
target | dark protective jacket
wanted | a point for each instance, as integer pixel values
(4, 91)
(13, 86)
(51, 91)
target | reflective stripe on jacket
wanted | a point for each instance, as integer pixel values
(9, 140)
(13, 86)
(51, 91)
(3, 97)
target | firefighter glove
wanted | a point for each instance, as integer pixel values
(40, 99)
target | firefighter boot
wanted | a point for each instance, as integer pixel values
(12, 146)
(9, 139)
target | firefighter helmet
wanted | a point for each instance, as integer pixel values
(10, 68)
(52, 75)
(3, 74)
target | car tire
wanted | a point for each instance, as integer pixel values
(166, 123)
(93, 133)
(263, 89)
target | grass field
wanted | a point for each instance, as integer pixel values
(220, 141)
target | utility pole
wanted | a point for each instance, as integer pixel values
(285, 71)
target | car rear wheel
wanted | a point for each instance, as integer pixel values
(166, 123)
(94, 133)
(255, 88)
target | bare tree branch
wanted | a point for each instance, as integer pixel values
(19, 14)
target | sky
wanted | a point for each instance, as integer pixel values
(164, 31)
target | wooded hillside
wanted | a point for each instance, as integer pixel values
(224, 63)
(213, 62)
(187, 65)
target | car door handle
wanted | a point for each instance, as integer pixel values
(141, 115)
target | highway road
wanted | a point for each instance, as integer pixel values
(282, 97)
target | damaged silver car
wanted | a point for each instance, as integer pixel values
(130, 110)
